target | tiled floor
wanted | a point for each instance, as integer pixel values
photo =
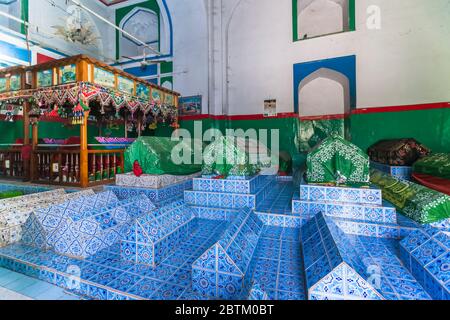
(279, 201)
(16, 286)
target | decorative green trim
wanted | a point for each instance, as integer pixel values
(24, 15)
(122, 12)
(166, 67)
(351, 17)
(294, 20)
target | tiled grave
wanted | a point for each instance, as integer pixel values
(346, 267)
(401, 172)
(156, 234)
(155, 195)
(355, 207)
(229, 193)
(350, 246)
(105, 276)
(151, 181)
(426, 253)
(84, 226)
(224, 271)
(14, 212)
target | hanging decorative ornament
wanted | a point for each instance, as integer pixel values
(55, 112)
(9, 116)
(78, 112)
(175, 125)
(153, 126)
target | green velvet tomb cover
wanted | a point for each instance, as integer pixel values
(230, 156)
(337, 161)
(155, 156)
(417, 202)
(437, 165)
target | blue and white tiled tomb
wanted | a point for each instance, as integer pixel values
(256, 238)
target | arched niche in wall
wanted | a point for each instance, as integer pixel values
(315, 18)
(148, 21)
(144, 25)
(324, 92)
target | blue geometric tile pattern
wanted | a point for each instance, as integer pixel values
(78, 229)
(225, 269)
(348, 267)
(401, 172)
(105, 276)
(363, 212)
(229, 193)
(426, 253)
(155, 195)
(370, 196)
(155, 235)
(245, 186)
(333, 269)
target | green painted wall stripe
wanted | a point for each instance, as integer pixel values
(24, 14)
(294, 20)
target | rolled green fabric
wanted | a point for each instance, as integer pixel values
(436, 165)
(417, 202)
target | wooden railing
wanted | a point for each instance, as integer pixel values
(65, 167)
(56, 167)
(11, 164)
(103, 165)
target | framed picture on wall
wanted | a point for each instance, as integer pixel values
(68, 74)
(44, 78)
(142, 91)
(3, 87)
(15, 82)
(190, 106)
(104, 78)
(270, 108)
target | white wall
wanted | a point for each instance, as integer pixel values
(190, 61)
(405, 62)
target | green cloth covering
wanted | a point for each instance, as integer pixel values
(229, 156)
(335, 160)
(417, 202)
(313, 132)
(437, 165)
(154, 155)
(10, 194)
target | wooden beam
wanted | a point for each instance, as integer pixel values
(34, 144)
(84, 152)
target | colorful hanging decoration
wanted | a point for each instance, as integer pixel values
(73, 93)
(78, 112)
